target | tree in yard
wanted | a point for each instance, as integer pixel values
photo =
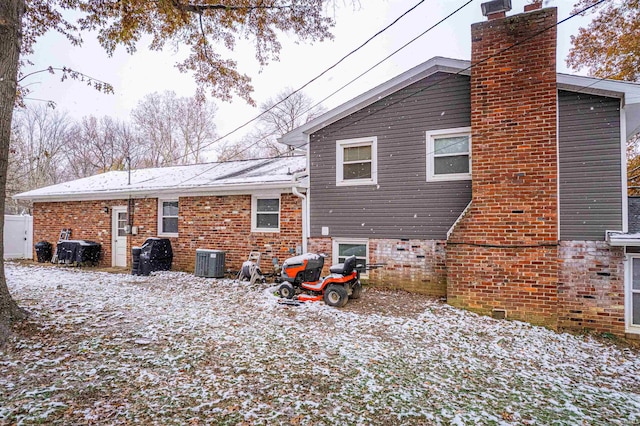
(244, 149)
(99, 145)
(11, 13)
(175, 130)
(609, 47)
(39, 138)
(633, 166)
(282, 114)
(209, 28)
(279, 115)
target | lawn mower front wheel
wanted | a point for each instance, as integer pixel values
(335, 295)
(286, 291)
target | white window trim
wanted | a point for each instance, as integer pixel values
(254, 212)
(628, 295)
(160, 216)
(431, 176)
(349, 143)
(337, 241)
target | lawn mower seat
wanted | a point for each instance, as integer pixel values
(344, 268)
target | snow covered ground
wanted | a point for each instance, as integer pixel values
(104, 348)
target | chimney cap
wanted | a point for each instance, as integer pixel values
(495, 6)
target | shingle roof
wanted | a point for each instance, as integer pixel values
(212, 178)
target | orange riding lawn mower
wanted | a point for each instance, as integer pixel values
(300, 281)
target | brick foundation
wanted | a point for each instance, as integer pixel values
(220, 223)
(412, 265)
(591, 287)
(521, 281)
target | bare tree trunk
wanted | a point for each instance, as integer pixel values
(11, 12)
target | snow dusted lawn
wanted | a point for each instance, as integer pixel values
(105, 348)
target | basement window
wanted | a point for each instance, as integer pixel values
(343, 248)
(168, 218)
(356, 161)
(449, 154)
(265, 215)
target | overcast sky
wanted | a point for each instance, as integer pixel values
(134, 76)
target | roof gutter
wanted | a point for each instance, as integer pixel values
(620, 239)
(229, 189)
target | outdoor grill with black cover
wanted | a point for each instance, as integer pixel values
(156, 255)
(78, 252)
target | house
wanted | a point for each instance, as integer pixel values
(236, 206)
(495, 182)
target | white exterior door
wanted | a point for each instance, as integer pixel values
(119, 236)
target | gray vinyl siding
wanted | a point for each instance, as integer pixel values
(402, 204)
(589, 166)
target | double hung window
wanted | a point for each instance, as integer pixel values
(356, 161)
(449, 154)
(168, 218)
(265, 216)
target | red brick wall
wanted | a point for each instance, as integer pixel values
(86, 219)
(220, 223)
(412, 265)
(521, 281)
(503, 253)
(224, 223)
(591, 287)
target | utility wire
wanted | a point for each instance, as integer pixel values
(317, 76)
(392, 54)
(395, 21)
(463, 71)
(449, 76)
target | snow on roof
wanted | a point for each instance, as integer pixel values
(210, 178)
(628, 91)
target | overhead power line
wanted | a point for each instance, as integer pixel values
(391, 54)
(460, 72)
(464, 70)
(395, 21)
(243, 125)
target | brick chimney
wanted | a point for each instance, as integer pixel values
(502, 256)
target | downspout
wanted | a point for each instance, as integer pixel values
(305, 209)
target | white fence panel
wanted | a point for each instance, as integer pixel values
(18, 237)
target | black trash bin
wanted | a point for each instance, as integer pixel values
(156, 255)
(135, 260)
(44, 251)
